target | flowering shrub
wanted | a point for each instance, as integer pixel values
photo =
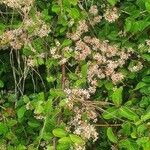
(75, 75)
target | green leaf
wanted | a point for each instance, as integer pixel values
(51, 79)
(111, 135)
(56, 8)
(39, 107)
(128, 25)
(146, 116)
(73, 76)
(63, 146)
(34, 124)
(146, 79)
(146, 57)
(77, 139)
(112, 2)
(110, 113)
(1, 84)
(80, 82)
(127, 144)
(21, 111)
(126, 128)
(84, 69)
(74, 2)
(65, 140)
(140, 85)
(147, 5)
(26, 99)
(144, 142)
(66, 42)
(3, 128)
(11, 122)
(2, 28)
(59, 132)
(128, 113)
(117, 96)
(74, 13)
(108, 85)
(57, 93)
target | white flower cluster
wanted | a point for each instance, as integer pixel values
(80, 126)
(104, 58)
(83, 127)
(136, 67)
(19, 37)
(95, 17)
(23, 5)
(15, 38)
(56, 52)
(111, 14)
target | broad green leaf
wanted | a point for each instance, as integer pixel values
(34, 124)
(11, 122)
(2, 28)
(80, 82)
(3, 128)
(112, 2)
(140, 85)
(63, 102)
(57, 93)
(117, 96)
(111, 135)
(108, 85)
(59, 132)
(110, 113)
(26, 99)
(66, 42)
(61, 146)
(21, 111)
(84, 69)
(74, 2)
(127, 144)
(146, 79)
(73, 76)
(49, 105)
(1, 84)
(126, 128)
(144, 142)
(74, 13)
(141, 129)
(77, 139)
(39, 107)
(146, 116)
(147, 5)
(56, 8)
(146, 57)
(51, 79)
(65, 140)
(128, 25)
(128, 113)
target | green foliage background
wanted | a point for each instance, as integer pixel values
(38, 91)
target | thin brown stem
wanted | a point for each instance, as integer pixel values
(107, 125)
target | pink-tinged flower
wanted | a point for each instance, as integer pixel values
(111, 14)
(93, 10)
(117, 77)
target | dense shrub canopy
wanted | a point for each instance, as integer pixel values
(74, 74)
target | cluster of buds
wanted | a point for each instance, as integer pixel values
(79, 104)
(104, 59)
(96, 18)
(21, 36)
(111, 14)
(21, 5)
(137, 67)
(81, 126)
